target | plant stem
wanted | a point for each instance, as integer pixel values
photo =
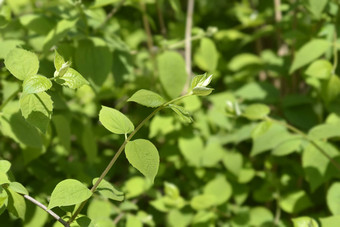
(160, 18)
(12, 96)
(111, 14)
(188, 26)
(42, 206)
(306, 137)
(335, 51)
(147, 29)
(120, 150)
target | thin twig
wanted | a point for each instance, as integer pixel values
(306, 137)
(161, 19)
(147, 29)
(120, 150)
(335, 51)
(187, 54)
(50, 212)
(188, 27)
(112, 13)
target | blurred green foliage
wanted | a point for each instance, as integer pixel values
(233, 166)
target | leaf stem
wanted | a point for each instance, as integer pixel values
(12, 96)
(50, 212)
(306, 137)
(121, 149)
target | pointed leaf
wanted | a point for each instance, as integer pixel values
(36, 84)
(202, 91)
(143, 155)
(18, 188)
(108, 191)
(200, 81)
(182, 113)
(320, 69)
(147, 98)
(172, 72)
(115, 121)
(16, 204)
(206, 56)
(309, 52)
(22, 63)
(37, 109)
(72, 79)
(69, 192)
(58, 60)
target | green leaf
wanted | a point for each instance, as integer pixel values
(58, 60)
(108, 191)
(201, 202)
(4, 166)
(18, 188)
(316, 165)
(192, 149)
(200, 81)
(172, 72)
(316, 7)
(37, 109)
(261, 128)
(304, 222)
(147, 98)
(69, 192)
(101, 3)
(58, 33)
(220, 188)
(36, 84)
(288, 146)
(295, 202)
(324, 131)
(202, 91)
(330, 90)
(94, 60)
(16, 204)
(182, 113)
(233, 161)
(17, 128)
(38, 23)
(7, 45)
(320, 69)
(72, 79)
(256, 111)
(309, 52)
(260, 216)
(330, 221)
(206, 56)
(22, 63)
(333, 198)
(143, 155)
(115, 121)
(243, 60)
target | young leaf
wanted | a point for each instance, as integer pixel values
(58, 60)
(16, 204)
(147, 98)
(37, 109)
(182, 113)
(172, 72)
(143, 155)
(22, 63)
(108, 191)
(36, 84)
(256, 111)
(115, 121)
(69, 192)
(200, 81)
(72, 79)
(202, 91)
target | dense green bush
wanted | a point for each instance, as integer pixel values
(261, 150)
